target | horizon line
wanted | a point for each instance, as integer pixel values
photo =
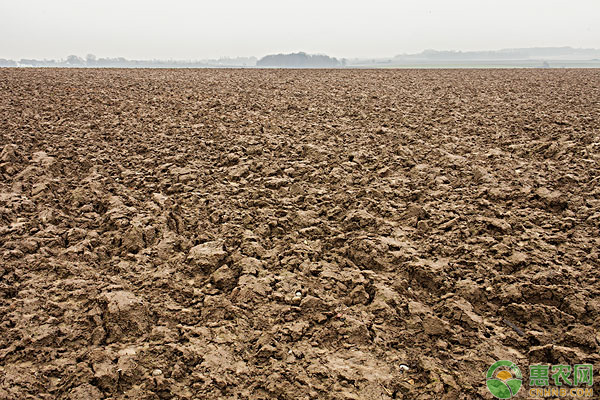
(232, 57)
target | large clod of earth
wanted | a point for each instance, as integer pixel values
(288, 234)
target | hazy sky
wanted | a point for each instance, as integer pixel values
(181, 29)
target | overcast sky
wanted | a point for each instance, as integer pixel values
(186, 29)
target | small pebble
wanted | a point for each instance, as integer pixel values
(156, 372)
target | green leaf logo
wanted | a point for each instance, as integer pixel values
(504, 379)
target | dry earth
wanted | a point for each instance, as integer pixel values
(248, 234)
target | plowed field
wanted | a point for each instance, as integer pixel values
(293, 234)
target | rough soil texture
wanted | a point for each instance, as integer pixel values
(247, 234)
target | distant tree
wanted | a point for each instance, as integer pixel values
(7, 63)
(298, 60)
(30, 62)
(91, 59)
(74, 60)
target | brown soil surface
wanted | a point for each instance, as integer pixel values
(248, 234)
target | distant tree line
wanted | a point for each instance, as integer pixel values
(91, 61)
(299, 60)
(505, 54)
(294, 60)
(7, 63)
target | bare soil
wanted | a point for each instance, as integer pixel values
(259, 234)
